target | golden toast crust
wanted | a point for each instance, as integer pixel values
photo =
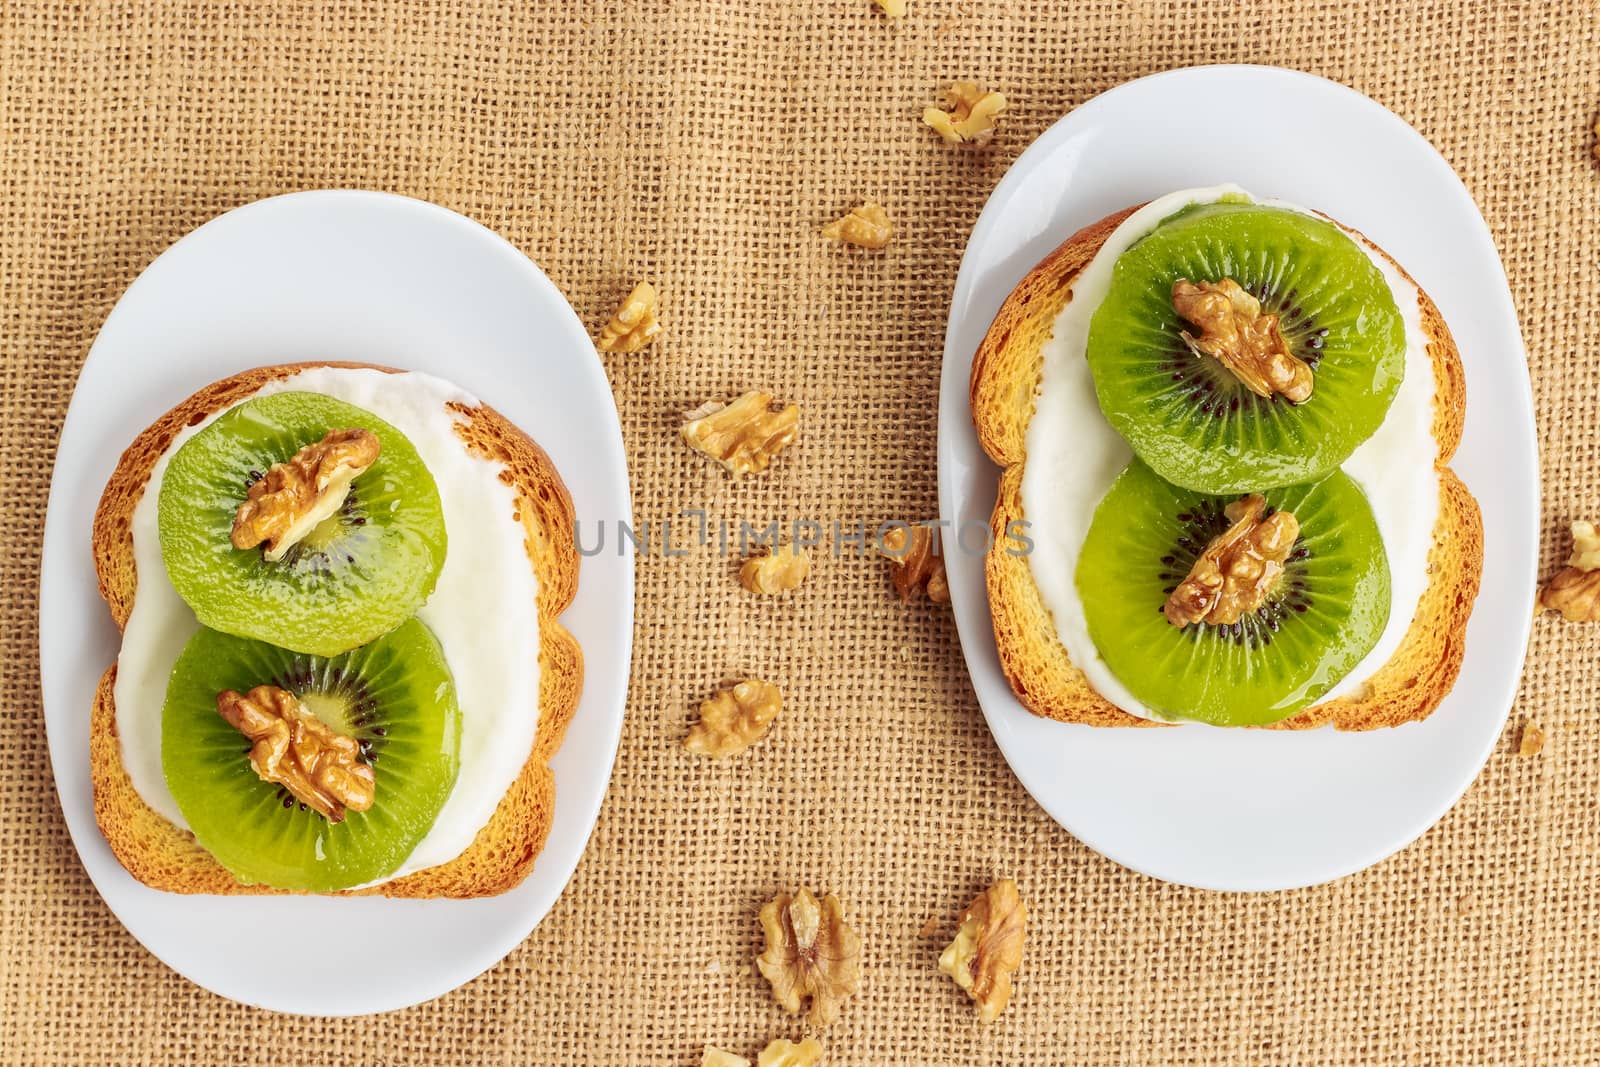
(161, 855)
(1006, 374)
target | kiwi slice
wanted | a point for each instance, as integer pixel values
(395, 696)
(1327, 611)
(1188, 416)
(356, 575)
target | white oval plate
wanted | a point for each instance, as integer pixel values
(1246, 809)
(338, 275)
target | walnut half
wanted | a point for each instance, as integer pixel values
(969, 114)
(293, 748)
(1235, 333)
(634, 325)
(917, 563)
(285, 505)
(716, 1057)
(1575, 590)
(781, 570)
(810, 953)
(1238, 570)
(734, 719)
(742, 436)
(988, 947)
(893, 8)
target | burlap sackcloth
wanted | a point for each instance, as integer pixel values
(702, 145)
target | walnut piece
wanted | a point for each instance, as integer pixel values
(867, 226)
(918, 565)
(988, 947)
(1575, 590)
(785, 1053)
(716, 1057)
(285, 505)
(1531, 743)
(293, 748)
(969, 114)
(810, 953)
(1235, 333)
(1239, 568)
(734, 719)
(781, 570)
(893, 8)
(634, 325)
(742, 436)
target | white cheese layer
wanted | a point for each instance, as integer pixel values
(484, 609)
(1073, 455)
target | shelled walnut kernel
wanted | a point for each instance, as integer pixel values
(734, 719)
(291, 747)
(810, 953)
(917, 563)
(988, 947)
(968, 116)
(1235, 333)
(780, 571)
(635, 324)
(1575, 590)
(743, 436)
(785, 1053)
(867, 226)
(281, 508)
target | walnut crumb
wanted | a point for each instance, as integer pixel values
(742, 436)
(1531, 743)
(810, 953)
(634, 326)
(716, 1057)
(895, 9)
(734, 719)
(785, 1053)
(867, 226)
(1235, 333)
(1239, 568)
(988, 947)
(293, 748)
(1575, 590)
(781, 570)
(969, 114)
(286, 504)
(918, 564)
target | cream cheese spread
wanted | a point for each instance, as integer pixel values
(1073, 455)
(484, 609)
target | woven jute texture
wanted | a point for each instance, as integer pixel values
(702, 145)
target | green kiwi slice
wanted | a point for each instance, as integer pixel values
(358, 574)
(1188, 416)
(395, 696)
(1327, 611)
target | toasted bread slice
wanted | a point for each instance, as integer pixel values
(1006, 376)
(161, 855)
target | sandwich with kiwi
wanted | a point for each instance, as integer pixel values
(1226, 424)
(342, 669)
